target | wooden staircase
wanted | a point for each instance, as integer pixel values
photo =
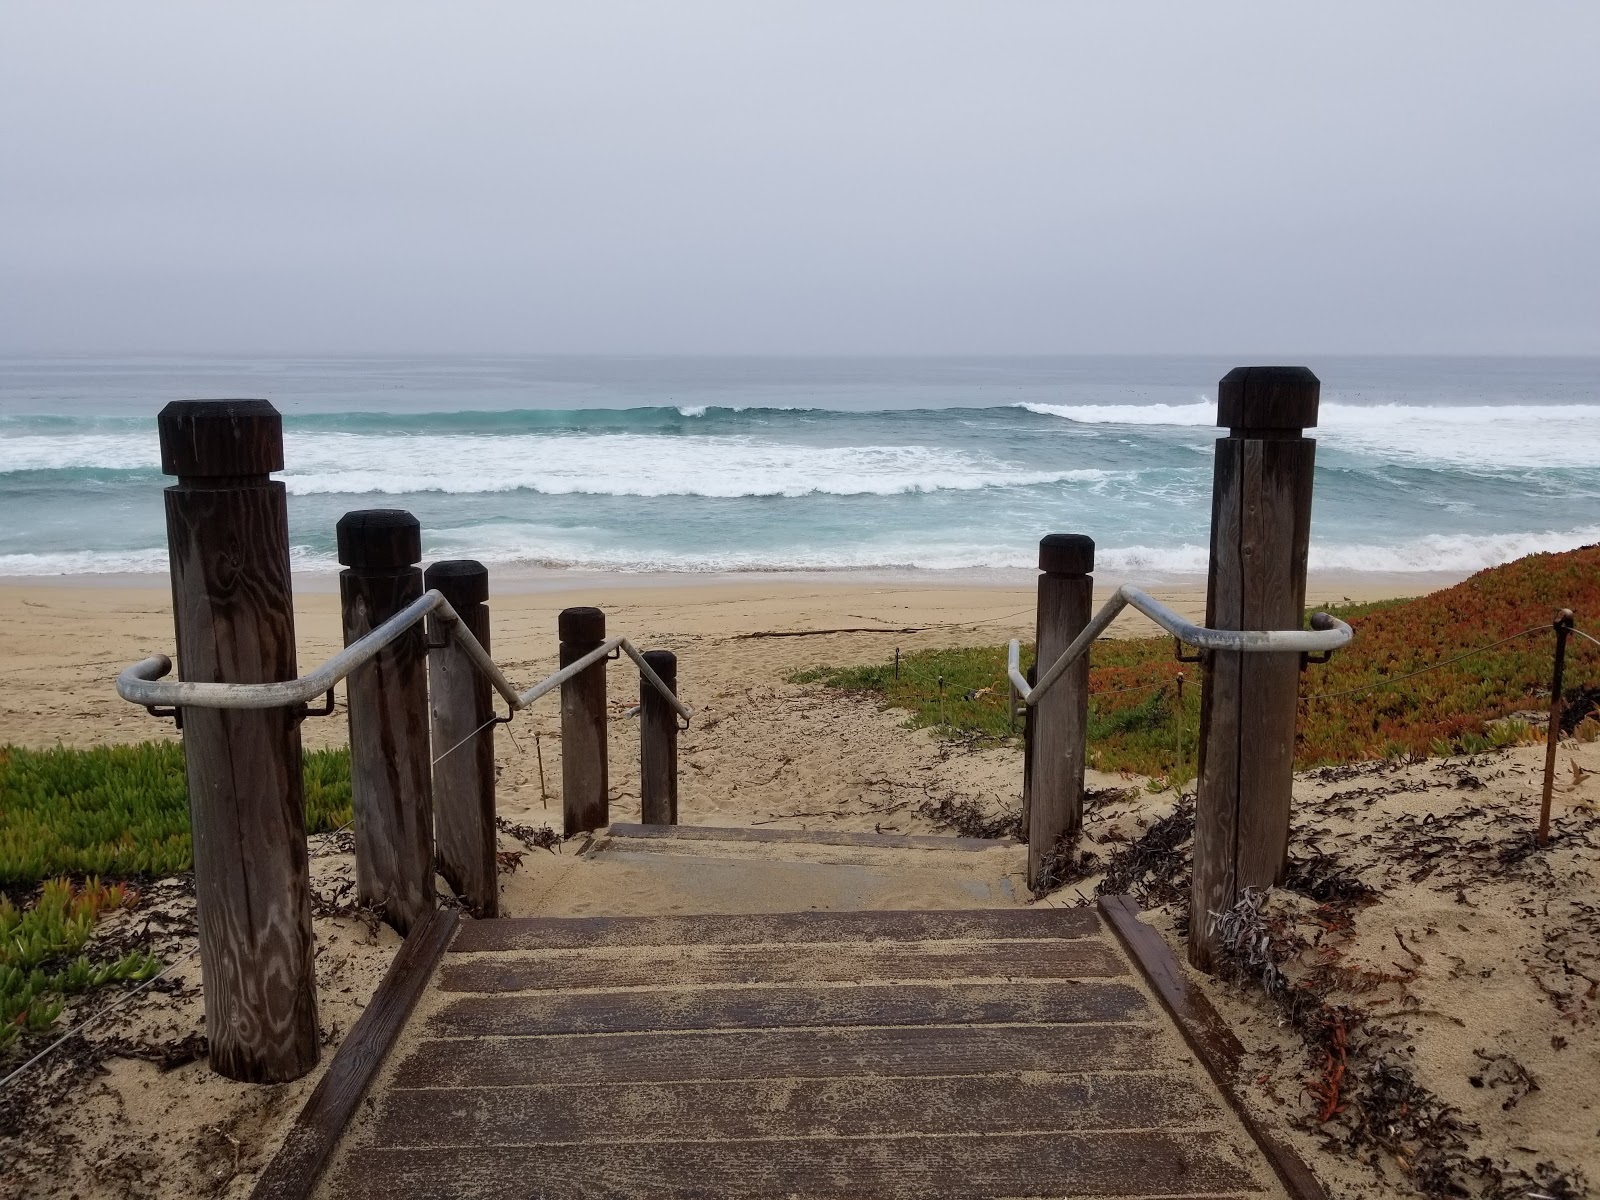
(1003, 1052)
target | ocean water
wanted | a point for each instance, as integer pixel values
(702, 465)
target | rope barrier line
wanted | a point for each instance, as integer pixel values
(1143, 687)
(104, 1012)
(1368, 687)
(464, 741)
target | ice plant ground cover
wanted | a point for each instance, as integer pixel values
(1353, 708)
(122, 811)
(69, 816)
(40, 959)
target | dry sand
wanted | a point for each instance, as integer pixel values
(762, 750)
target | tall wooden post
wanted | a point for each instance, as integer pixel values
(585, 769)
(1260, 535)
(391, 778)
(1061, 718)
(228, 540)
(462, 702)
(658, 743)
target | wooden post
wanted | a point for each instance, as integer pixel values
(391, 778)
(228, 540)
(1061, 718)
(585, 782)
(1552, 739)
(1260, 534)
(1024, 824)
(658, 743)
(462, 703)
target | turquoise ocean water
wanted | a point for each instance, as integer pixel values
(815, 464)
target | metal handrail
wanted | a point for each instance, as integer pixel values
(1326, 633)
(139, 685)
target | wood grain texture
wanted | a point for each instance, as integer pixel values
(673, 1008)
(585, 762)
(1206, 1033)
(391, 776)
(536, 933)
(858, 1106)
(899, 1051)
(228, 542)
(461, 701)
(848, 962)
(1060, 721)
(1217, 785)
(1277, 517)
(1048, 1164)
(818, 837)
(658, 744)
(293, 1171)
(1260, 541)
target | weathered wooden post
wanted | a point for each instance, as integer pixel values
(391, 778)
(462, 703)
(1024, 825)
(1552, 737)
(658, 743)
(228, 540)
(1061, 718)
(1260, 535)
(585, 769)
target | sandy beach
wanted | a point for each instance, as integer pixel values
(765, 751)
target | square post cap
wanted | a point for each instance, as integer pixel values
(581, 626)
(379, 539)
(1066, 554)
(203, 439)
(463, 581)
(1252, 401)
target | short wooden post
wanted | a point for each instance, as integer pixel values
(391, 777)
(462, 703)
(1024, 824)
(228, 540)
(1061, 718)
(1260, 535)
(658, 743)
(1563, 627)
(585, 769)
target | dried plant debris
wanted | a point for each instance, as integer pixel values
(1369, 1103)
(1154, 868)
(967, 818)
(1065, 865)
(542, 838)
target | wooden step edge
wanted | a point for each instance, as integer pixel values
(299, 1162)
(1207, 1034)
(820, 837)
(751, 929)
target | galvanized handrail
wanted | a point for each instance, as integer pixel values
(1326, 633)
(139, 683)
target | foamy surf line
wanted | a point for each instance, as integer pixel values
(1456, 555)
(1484, 436)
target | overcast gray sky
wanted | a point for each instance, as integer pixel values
(800, 177)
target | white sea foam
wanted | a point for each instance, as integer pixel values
(1466, 436)
(628, 464)
(131, 451)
